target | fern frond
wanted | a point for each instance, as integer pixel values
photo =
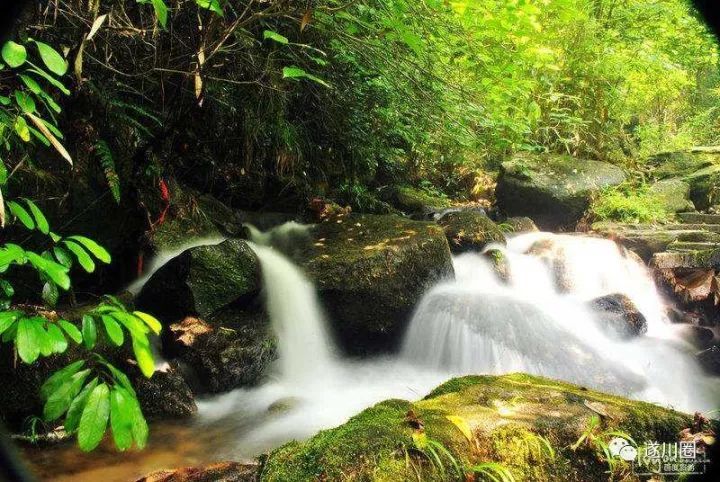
(107, 162)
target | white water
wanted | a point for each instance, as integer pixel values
(479, 324)
(475, 324)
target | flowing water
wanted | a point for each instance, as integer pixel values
(538, 322)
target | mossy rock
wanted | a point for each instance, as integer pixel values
(371, 270)
(505, 415)
(699, 167)
(202, 280)
(470, 230)
(520, 225)
(412, 200)
(553, 190)
(673, 194)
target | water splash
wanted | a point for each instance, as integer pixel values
(539, 321)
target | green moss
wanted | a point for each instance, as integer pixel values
(416, 200)
(512, 419)
(469, 230)
(629, 205)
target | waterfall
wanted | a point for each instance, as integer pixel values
(305, 349)
(539, 321)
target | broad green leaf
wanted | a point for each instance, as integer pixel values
(98, 251)
(113, 330)
(46, 343)
(94, 418)
(52, 59)
(294, 72)
(59, 85)
(22, 214)
(55, 271)
(89, 331)
(139, 424)
(7, 318)
(7, 288)
(40, 219)
(269, 34)
(14, 54)
(144, 356)
(213, 5)
(134, 325)
(121, 418)
(82, 256)
(63, 256)
(161, 11)
(59, 401)
(59, 377)
(71, 330)
(120, 377)
(27, 341)
(72, 419)
(150, 321)
(25, 102)
(21, 129)
(50, 293)
(57, 337)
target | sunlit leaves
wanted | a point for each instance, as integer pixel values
(52, 59)
(14, 54)
(94, 418)
(294, 72)
(275, 37)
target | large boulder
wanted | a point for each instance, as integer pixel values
(699, 167)
(553, 190)
(414, 201)
(469, 230)
(202, 280)
(527, 425)
(673, 194)
(618, 316)
(370, 271)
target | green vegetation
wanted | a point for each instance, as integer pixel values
(629, 204)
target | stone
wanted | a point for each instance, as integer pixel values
(553, 190)
(709, 359)
(619, 316)
(470, 230)
(520, 225)
(673, 194)
(222, 471)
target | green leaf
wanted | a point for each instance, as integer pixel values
(46, 343)
(52, 59)
(94, 418)
(63, 256)
(269, 34)
(59, 85)
(40, 219)
(14, 54)
(22, 129)
(120, 377)
(213, 5)
(25, 102)
(7, 318)
(144, 356)
(150, 321)
(59, 377)
(71, 330)
(55, 271)
(136, 327)
(72, 419)
(139, 424)
(95, 249)
(59, 401)
(59, 343)
(294, 72)
(50, 293)
(161, 11)
(112, 328)
(83, 258)
(89, 331)
(22, 214)
(121, 418)
(27, 340)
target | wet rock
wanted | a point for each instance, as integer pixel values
(710, 360)
(223, 471)
(674, 194)
(165, 395)
(503, 415)
(415, 201)
(699, 167)
(201, 281)
(553, 190)
(469, 230)
(230, 350)
(500, 263)
(619, 316)
(698, 336)
(520, 225)
(370, 271)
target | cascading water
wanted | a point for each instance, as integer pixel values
(540, 321)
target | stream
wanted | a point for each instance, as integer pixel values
(538, 322)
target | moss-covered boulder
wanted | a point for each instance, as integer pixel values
(371, 270)
(699, 167)
(673, 194)
(553, 190)
(202, 280)
(520, 225)
(415, 201)
(525, 424)
(222, 471)
(618, 316)
(469, 230)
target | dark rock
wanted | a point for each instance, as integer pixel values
(222, 471)
(710, 360)
(553, 190)
(619, 316)
(520, 225)
(469, 230)
(202, 280)
(371, 270)
(698, 336)
(165, 395)
(232, 349)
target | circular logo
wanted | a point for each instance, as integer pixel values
(628, 453)
(616, 445)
